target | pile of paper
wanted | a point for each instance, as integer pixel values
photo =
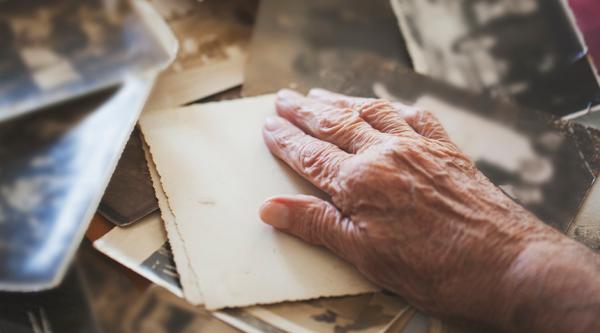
(216, 171)
(211, 170)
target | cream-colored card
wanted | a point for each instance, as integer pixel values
(216, 172)
(187, 277)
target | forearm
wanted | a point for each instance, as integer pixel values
(553, 287)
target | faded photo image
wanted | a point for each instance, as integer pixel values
(523, 50)
(55, 50)
(372, 313)
(213, 36)
(207, 31)
(329, 42)
(376, 312)
(143, 247)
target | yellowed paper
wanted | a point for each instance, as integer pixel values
(187, 277)
(216, 172)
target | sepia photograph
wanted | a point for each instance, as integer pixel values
(213, 38)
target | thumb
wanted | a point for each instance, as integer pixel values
(315, 221)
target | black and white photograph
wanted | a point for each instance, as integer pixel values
(59, 50)
(526, 51)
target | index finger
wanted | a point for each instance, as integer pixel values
(315, 160)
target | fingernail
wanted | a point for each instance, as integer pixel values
(275, 214)
(273, 123)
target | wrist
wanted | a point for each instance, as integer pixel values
(551, 286)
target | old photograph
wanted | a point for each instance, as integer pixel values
(526, 51)
(213, 37)
(52, 52)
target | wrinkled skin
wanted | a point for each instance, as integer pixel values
(416, 217)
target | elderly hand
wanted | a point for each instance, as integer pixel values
(415, 216)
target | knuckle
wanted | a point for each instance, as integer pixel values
(315, 226)
(284, 137)
(317, 161)
(333, 122)
(373, 108)
(420, 118)
(426, 117)
(313, 154)
(378, 104)
(327, 123)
